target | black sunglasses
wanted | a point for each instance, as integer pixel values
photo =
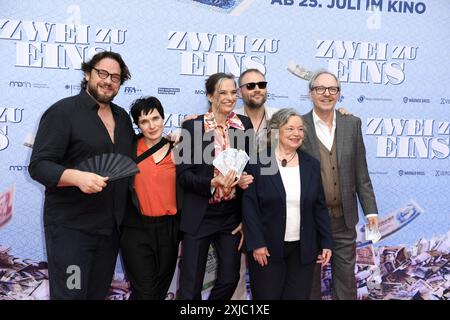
(252, 85)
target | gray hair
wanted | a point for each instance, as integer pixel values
(320, 72)
(279, 119)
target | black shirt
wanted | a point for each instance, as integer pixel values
(69, 132)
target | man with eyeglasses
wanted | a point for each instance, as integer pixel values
(253, 92)
(337, 142)
(83, 210)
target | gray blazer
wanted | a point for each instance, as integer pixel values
(351, 158)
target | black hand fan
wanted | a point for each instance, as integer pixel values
(113, 165)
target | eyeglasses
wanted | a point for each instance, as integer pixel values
(103, 74)
(331, 90)
(252, 85)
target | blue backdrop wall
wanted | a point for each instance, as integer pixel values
(391, 57)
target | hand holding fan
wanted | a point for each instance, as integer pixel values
(113, 165)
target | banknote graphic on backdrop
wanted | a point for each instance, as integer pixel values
(233, 7)
(6, 205)
(416, 272)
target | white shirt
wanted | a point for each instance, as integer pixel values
(322, 131)
(261, 132)
(269, 112)
(292, 187)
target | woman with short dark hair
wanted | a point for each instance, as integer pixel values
(149, 240)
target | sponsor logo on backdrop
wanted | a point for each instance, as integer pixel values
(416, 100)
(172, 91)
(270, 95)
(445, 101)
(20, 84)
(200, 92)
(203, 54)
(367, 62)
(129, 90)
(51, 45)
(378, 172)
(304, 97)
(410, 173)
(410, 138)
(8, 115)
(27, 84)
(274, 96)
(74, 88)
(442, 173)
(40, 85)
(363, 98)
(18, 168)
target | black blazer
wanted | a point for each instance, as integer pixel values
(264, 211)
(195, 176)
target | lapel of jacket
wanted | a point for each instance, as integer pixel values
(277, 182)
(207, 144)
(305, 174)
(233, 134)
(207, 137)
(232, 137)
(311, 140)
(340, 134)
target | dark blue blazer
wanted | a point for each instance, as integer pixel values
(264, 211)
(195, 176)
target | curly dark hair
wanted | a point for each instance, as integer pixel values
(87, 66)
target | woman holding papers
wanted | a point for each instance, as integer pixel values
(286, 223)
(212, 201)
(149, 240)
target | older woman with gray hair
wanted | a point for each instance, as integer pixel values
(286, 223)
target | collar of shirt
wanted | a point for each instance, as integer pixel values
(262, 122)
(322, 131)
(232, 121)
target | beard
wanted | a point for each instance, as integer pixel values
(252, 104)
(102, 98)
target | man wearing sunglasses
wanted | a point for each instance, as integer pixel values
(253, 91)
(83, 210)
(337, 142)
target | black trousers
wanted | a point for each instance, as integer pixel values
(80, 265)
(220, 220)
(286, 279)
(150, 256)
